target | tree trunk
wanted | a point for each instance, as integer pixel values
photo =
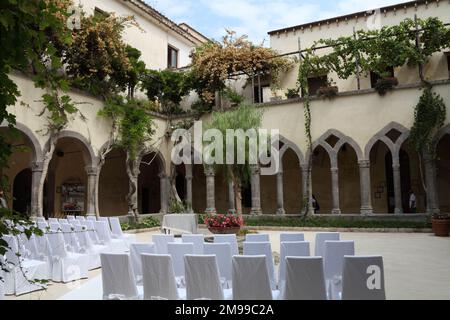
(45, 164)
(237, 196)
(133, 173)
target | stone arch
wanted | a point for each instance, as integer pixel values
(394, 147)
(288, 144)
(89, 155)
(31, 137)
(333, 150)
(159, 158)
(444, 131)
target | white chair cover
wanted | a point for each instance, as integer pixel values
(118, 277)
(90, 226)
(304, 279)
(63, 221)
(50, 220)
(117, 233)
(161, 241)
(42, 219)
(2, 285)
(69, 238)
(104, 234)
(251, 279)
(334, 252)
(363, 278)
(292, 237)
(55, 227)
(257, 238)
(197, 239)
(66, 266)
(22, 271)
(104, 219)
(202, 278)
(262, 248)
(159, 278)
(81, 218)
(42, 225)
(291, 249)
(87, 247)
(75, 222)
(136, 250)
(177, 251)
(222, 251)
(321, 237)
(91, 218)
(70, 218)
(228, 238)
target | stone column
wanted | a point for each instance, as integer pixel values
(280, 192)
(36, 168)
(163, 182)
(431, 184)
(307, 194)
(189, 178)
(231, 199)
(365, 187)
(256, 190)
(397, 186)
(335, 189)
(210, 190)
(92, 173)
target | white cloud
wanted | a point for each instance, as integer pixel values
(257, 17)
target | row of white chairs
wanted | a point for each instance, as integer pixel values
(250, 278)
(113, 224)
(66, 252)
(333, 256)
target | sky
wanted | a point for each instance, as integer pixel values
(256, 17)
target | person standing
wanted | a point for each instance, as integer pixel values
(412, 202)
(315, 204)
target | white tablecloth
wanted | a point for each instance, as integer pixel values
(180, 223)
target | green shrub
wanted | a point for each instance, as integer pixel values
(143, 224)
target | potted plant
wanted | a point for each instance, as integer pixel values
(441, 225)
(293, 93)
(328, 92)
(223, 223)
(385, 84)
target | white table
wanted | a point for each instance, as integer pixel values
(180, 223)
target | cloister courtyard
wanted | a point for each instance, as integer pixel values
(416, 266)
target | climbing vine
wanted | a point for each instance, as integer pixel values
(429, 117)
(410, 42)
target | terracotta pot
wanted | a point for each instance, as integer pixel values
(441, 227)
(216, 230)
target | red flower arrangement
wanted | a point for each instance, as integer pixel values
(223, 221)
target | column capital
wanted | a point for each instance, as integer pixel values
(91, 170)
(255, 169)
(334, 169)
(305, 168)
(37, 166)
(189, 177)
(364, 164)
(162, 175)
(210, 172)
(396, 166)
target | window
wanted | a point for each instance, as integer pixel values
(374, 77)
(259, 94)
(172, 58)
(314, 84)
(100, 13)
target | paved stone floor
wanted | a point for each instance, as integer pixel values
(417, 266)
